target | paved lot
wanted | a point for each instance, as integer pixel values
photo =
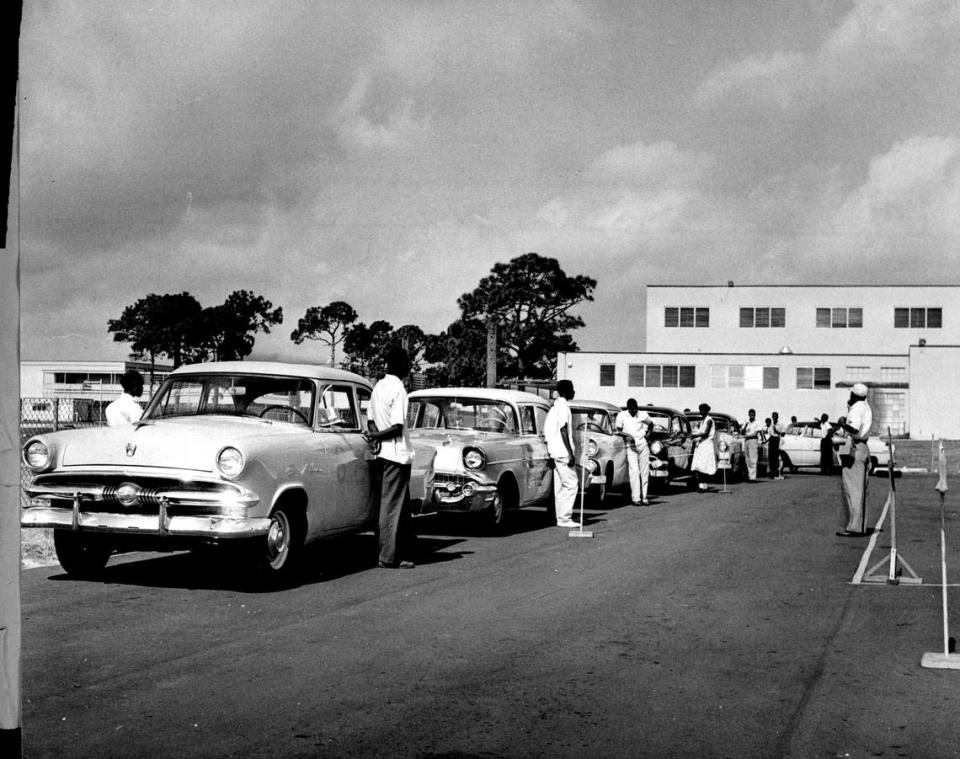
(704, 626)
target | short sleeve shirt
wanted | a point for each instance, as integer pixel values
(751, 428)
(388, 406)
(124, 410)
(635, 426)
(861, 417)
(558, 416)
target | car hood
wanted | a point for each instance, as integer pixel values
(457, 437)
(178, 443)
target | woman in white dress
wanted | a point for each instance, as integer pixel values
(705, 454)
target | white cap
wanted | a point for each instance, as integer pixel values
(859, 389)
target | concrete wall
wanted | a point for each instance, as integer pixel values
(934, 409)
(801, 334)
(583, 368)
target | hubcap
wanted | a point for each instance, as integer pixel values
(278, 540)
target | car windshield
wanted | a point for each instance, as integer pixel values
(592, 420)
(660, 421)
(462, 414)
(285, 399)
(720, 423)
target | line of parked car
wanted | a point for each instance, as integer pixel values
(268, 457)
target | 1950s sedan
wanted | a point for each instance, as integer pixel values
(491, 455)
(265, 456)
(598, 444)
(671, 448)
(728, 440)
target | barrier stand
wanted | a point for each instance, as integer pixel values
(725, 452)
(580, 532)
(947, 659)
(897, 563)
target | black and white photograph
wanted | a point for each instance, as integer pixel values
(483, 378)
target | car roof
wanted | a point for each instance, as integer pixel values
(660, 409)
(311, 371)
(600, 405)
(491, 393)
(718, 414)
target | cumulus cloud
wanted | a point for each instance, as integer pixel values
(878, 42)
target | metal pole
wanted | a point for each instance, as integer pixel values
(942, 488)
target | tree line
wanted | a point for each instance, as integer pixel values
(528, 300)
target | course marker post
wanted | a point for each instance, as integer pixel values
(897, 563)
(580, 532)
(945, 659)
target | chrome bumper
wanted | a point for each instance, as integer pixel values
(209, 526)
(469, 496)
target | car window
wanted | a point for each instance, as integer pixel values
(363, 399)
(463, 414)
(541, 415)
(592, 420)
(336, 408)
(528, 423)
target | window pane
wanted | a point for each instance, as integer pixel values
(918, 317)
(839, 317)
(858, 372)
(778, 317)
(934, 318)
(718, 375)
(608, 375)
(763, 317)
(653, 376)
(855, 317)
(671, 317)
(823, 317)
(703, 317)
(804, 378)
(688, 376)
(771, 377)
(670, 375)
(746, 317)
(901, 317)
(821, 378)
(686, 317)
(635, 375)
(735, 376)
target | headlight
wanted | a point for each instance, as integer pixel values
(592, 447)
(593, 466)
(37, 455)
(230, 462)
(474, 458)
(656, 447)
(723, 447)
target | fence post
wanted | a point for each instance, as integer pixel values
(56, 414)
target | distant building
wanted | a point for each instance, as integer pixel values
(792, 349)
(87, 380)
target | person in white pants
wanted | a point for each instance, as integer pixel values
(634, 424)
(560, 448)
(854, 475)
(751, 443)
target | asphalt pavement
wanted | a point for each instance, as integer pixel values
(715, 625)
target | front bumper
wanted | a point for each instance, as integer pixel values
(455, 492)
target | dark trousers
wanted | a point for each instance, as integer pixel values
(773, 457)
(396, 527)
(826, 455)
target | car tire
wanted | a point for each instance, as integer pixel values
(278, 553)
(82, 554)
(496, 515)
(785, 464)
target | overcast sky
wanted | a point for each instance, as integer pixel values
(389, 154)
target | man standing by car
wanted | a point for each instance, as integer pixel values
(853, 476)
(751, 443)
(387, 423)
(634, 424)
(773, 451)
(126, 409)
(826, 445)
(560, 448)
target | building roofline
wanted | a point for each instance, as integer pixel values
(831, 285)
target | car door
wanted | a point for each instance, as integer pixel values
(537, 466)
(348, 471)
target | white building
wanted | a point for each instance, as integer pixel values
(791, 349)
(87, 380)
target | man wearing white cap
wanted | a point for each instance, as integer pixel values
(853, 475)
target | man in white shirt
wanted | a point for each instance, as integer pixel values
(751, 443)
(560, 448)
(634, 424)
(774, 431)
(387, 426)
(853, 475)
(126, 409)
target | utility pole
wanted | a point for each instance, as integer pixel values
(491, 351)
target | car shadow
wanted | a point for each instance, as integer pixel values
(223, 569)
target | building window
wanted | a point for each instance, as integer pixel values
(840, 317)
(763, 317)
(608, 375)
(655, 375)
(918, 318)
(748, 377)
(813, 378)
(674, 316)
(893, 374)
(857, 373)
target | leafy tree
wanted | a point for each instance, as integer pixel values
(366, 346)
(530, 299)
(458, 355)
(230, 327)
(161, 325)
(413, 340)
(328, 325)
